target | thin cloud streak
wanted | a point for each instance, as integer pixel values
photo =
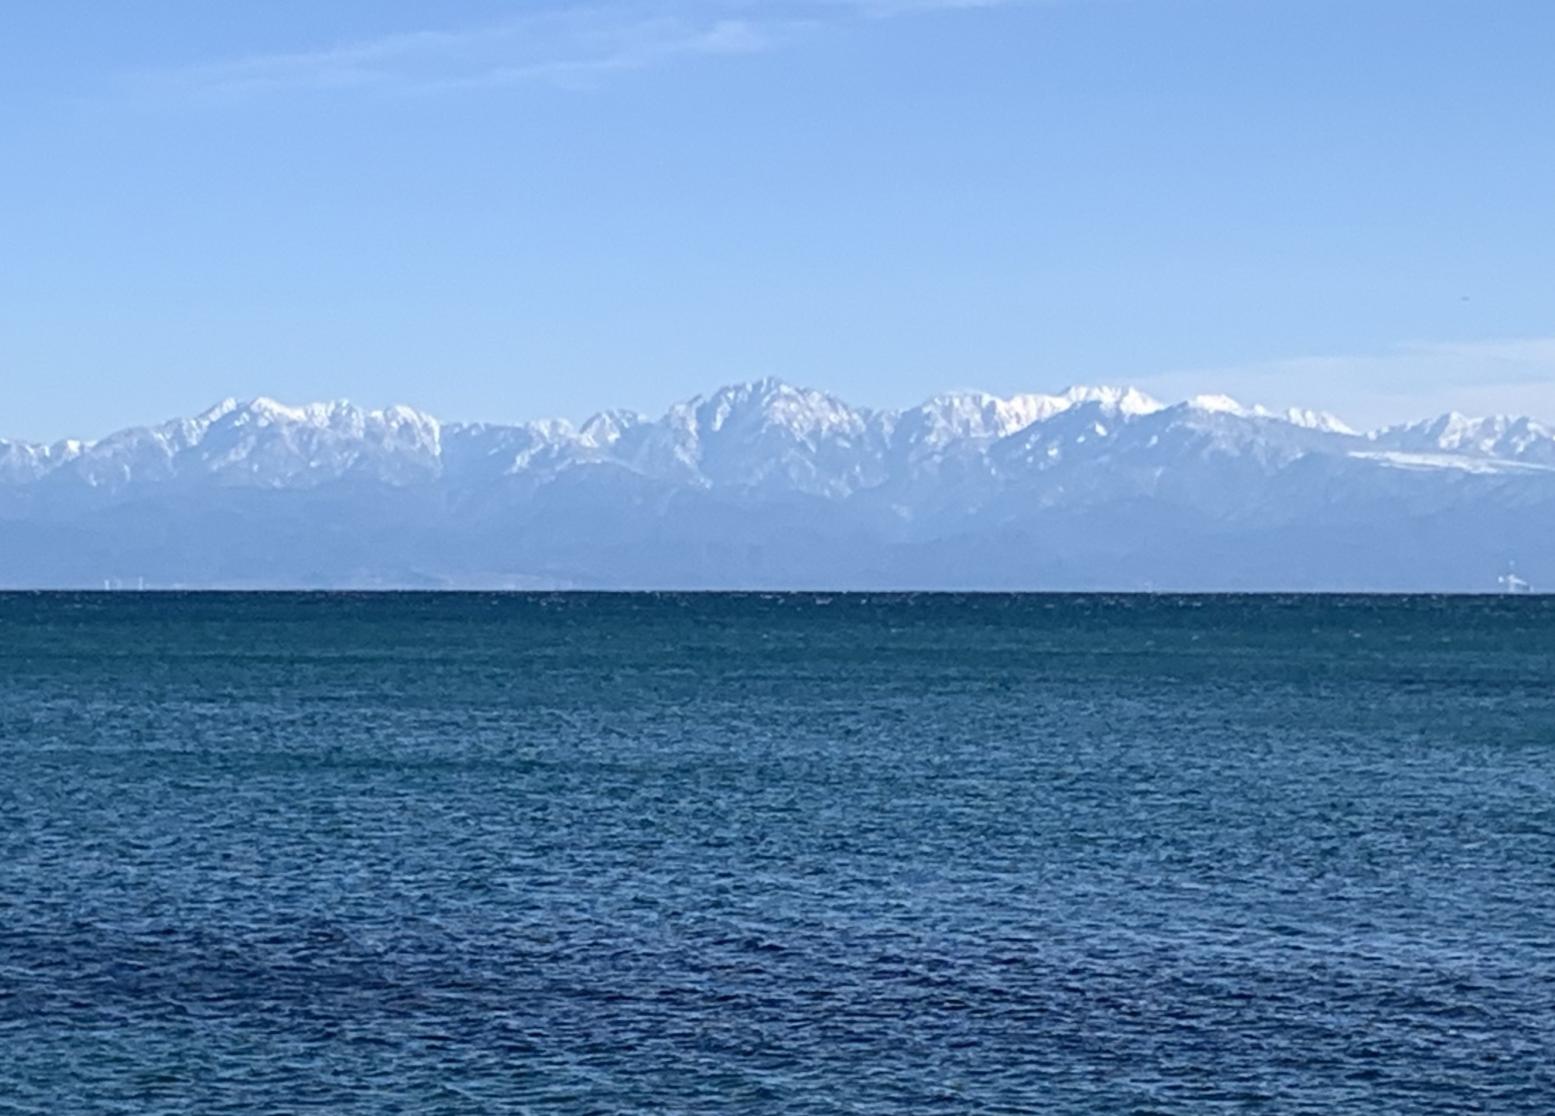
(562, 46)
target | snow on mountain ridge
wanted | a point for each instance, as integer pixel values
(757, 434)
(1217, 405)
(770, 484)
(1318, 420)
(1501, 436)
(770, 402)
(981, 416)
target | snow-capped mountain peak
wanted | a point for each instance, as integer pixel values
(1498, 436)
(1324, 421)
(1130, 402)
(769, 403)
(974, 416)
(1218, 405)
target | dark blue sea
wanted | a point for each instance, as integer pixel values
(776, 854)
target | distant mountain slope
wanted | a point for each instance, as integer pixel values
(769, 485)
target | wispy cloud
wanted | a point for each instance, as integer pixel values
(1406, 381)
(563, 45)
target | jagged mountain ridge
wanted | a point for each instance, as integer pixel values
(765, 483)
(745, 434)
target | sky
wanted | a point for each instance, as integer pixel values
(505, 211)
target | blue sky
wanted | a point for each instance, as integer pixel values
(509, 210)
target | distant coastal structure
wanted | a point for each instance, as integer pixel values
(1510, 582)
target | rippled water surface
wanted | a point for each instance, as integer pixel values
(712, 854)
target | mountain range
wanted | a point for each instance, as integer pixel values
(768, 485)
